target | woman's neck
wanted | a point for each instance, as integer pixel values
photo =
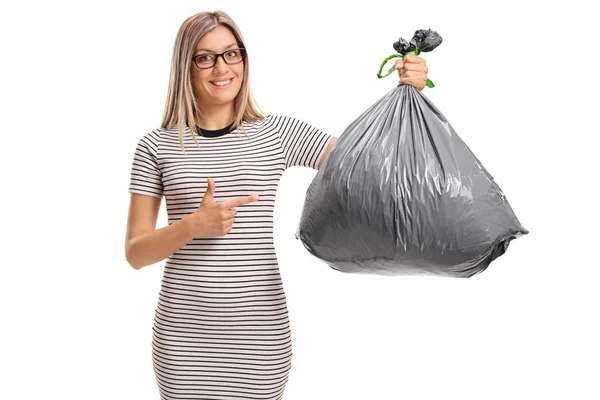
(217, 117)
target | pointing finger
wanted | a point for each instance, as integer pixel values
(240, 201)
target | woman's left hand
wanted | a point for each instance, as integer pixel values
(412, 71)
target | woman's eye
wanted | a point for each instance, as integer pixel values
(206, 57)
(232, 53)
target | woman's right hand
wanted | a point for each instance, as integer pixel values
(215, 218)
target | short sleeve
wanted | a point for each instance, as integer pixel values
(302, 144)
(145, 174)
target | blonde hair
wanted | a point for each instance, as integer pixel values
(182, 106)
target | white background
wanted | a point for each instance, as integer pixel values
(82, 82)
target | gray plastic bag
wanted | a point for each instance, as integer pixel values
(401, 193)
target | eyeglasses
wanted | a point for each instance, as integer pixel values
(231, 56)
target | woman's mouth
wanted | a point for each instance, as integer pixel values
(221, 84)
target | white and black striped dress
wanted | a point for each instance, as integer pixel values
(221, 327)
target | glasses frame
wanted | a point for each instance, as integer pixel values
(222, 55)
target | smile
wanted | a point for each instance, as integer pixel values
(222, 84)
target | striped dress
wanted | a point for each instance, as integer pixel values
(221, 328)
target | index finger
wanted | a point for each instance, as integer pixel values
(240, 201)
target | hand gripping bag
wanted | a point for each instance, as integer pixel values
(400, 193)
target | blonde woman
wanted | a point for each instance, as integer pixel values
(221, 327)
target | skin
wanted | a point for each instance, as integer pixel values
(412, 71)
(146, 245)
(217, 105)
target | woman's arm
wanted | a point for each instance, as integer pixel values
(146, 245)
(331, 143)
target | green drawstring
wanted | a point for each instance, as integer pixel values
(416, 53)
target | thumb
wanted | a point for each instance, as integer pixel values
(210, 192)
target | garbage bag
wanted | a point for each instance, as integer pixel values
(400, 193)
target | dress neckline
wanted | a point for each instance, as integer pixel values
(214, 132)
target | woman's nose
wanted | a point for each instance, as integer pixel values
(220, 63)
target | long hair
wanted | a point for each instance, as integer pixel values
(182, 106)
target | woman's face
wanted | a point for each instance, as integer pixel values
(217, 41)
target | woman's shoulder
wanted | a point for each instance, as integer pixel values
(165, 133)
(259, 124)
(160, 137)
(151, 137)
(272, 121)
(286, 122)
(279, 120)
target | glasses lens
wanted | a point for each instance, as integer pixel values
(233, 56)
(205, 61)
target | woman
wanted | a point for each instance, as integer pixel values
(221, 328)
